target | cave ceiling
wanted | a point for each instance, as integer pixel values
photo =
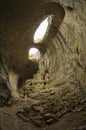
(18, 22)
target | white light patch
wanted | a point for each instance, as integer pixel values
(34, 54)
(41, 31)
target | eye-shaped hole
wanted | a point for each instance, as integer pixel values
(42, 30)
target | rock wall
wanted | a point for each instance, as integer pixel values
(53, 89)
(64, 56)
(63, 51)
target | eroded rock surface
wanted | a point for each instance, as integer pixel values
(52, 90)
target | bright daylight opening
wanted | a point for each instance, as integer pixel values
(41, 31)
(34, 54)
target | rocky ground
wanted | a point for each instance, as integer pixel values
(56, 109)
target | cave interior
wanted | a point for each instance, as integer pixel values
(43, 65)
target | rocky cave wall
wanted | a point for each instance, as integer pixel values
(56, 85)
(63, 52)
(63, 61)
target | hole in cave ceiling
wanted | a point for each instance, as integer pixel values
(34, 54)
(42, 30)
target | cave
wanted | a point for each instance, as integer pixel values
(42, 76)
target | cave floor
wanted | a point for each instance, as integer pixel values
(50, 109)
(15, 117)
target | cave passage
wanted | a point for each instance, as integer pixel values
(42, 65)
